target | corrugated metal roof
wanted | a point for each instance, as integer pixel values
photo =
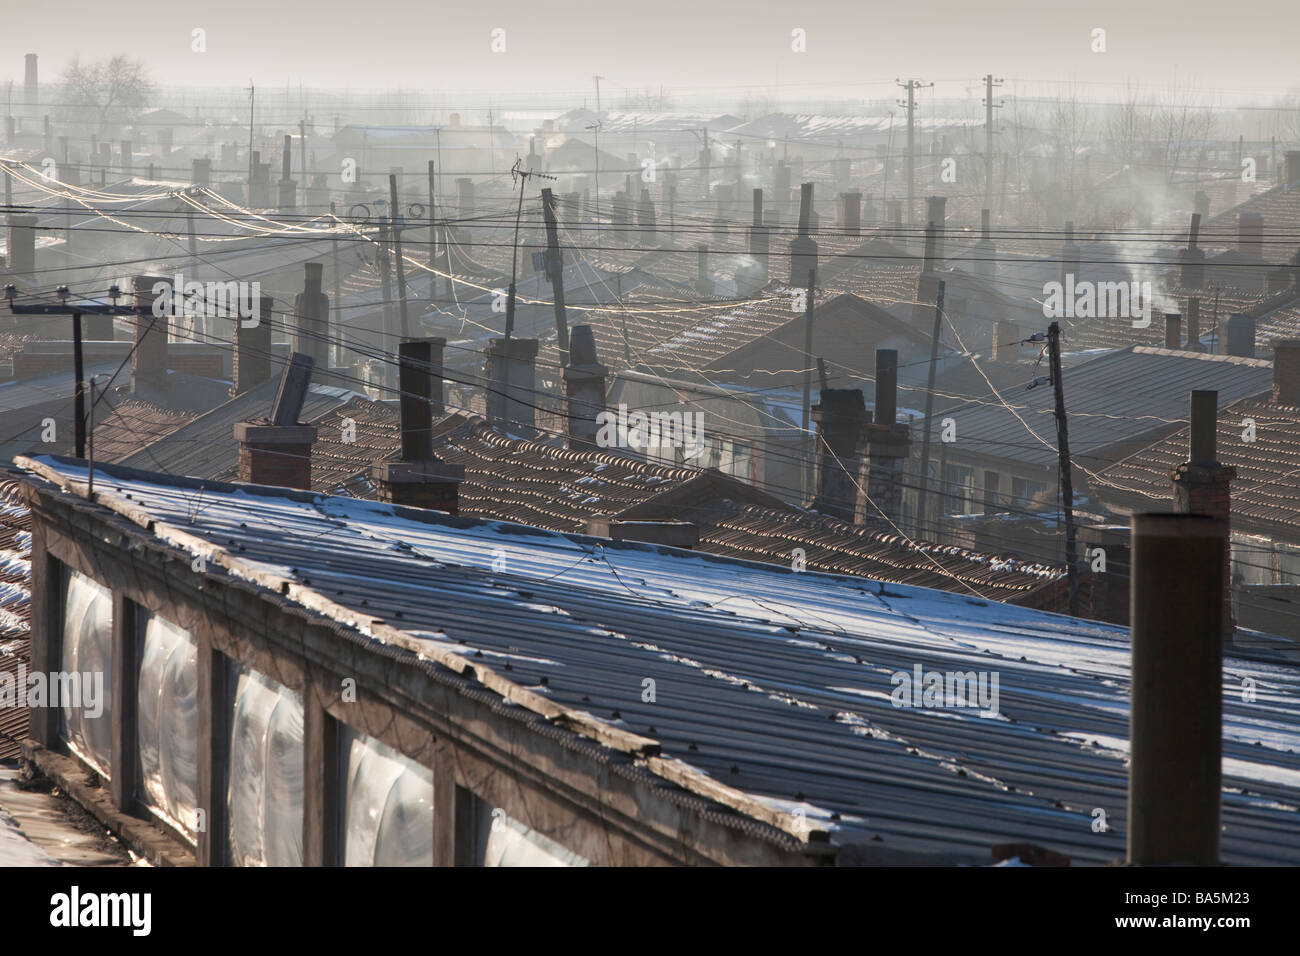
(15, 605)
(772, 682)
(1121, 397)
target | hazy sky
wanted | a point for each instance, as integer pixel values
(855, 48)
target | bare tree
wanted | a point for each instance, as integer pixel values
(106, 94)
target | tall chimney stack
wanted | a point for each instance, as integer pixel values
(840, 415)
(149, 354)
(1286, 372)
(1193, 257)
(1241, 335)
(703, 281)
(311, 309)
(803, 248)
(251, 360)
(851, 213)
(758, 235)
(1201, 485)
(512, 383)
(1250, 234)
(1194, 325)
(22, 245)
(886, 446)
(936, 210)
(288, 188)
(1173, 330)
(584, 389)
(986, 251)
(1176, 712)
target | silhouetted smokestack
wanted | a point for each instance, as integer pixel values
(311, 309)
(1173, 330)
(851, 213)
(840, 414)
(1250, 234)
(584, 388)
(803, 248)
(251, 360)
(1194, 325)
(149, 354)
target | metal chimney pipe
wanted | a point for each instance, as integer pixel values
(415, 382)
(886, 412)
(1176, 712)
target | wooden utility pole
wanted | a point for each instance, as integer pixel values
(516, 172)
(555, 270)
(386, 284)
(910, 103)
(1063, 447)
(397, 252)
(929, 413)
(807, 381)
(78, 369)
(433, 233)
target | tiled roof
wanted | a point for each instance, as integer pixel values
(1267, 486)
(539, 484)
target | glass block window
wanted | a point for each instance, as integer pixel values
(84, 688)
(387, 805)
(167, 721)
(264, 797)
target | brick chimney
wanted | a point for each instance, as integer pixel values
(1173, 330)
(311, 309)
(703, 281)
(1250, 234)
(803, 248)
(1241, 336)
(1070, 255)
(464, 197)
(885, 449)
(936, 214)
(646, 218)
(986, 252)
(584, 389)
(840, 415)
(251, 360)
(22, 244)
(277, 451)
(758, 235)
(288, 187)
(1192, 272)
(419, 480)
(149, 355)
(1286, 372)
(1292, 167)
(1201, 484)
(1194, 325)
(851, 213)
(512, 384)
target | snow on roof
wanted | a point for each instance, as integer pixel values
(773, 683)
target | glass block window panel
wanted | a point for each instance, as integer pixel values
(387, 805)
(85, 686)
(167, 722)
(510, 843)
(264, 798)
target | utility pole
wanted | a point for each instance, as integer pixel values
(386, 285)
(989, 106)
(1063, 447)
(302, 145)
(555, 270)
(516, 172)
(807, 383)
(397, 252)
(911, 86)
(597, 79)
(929, 413)
(79, 429)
